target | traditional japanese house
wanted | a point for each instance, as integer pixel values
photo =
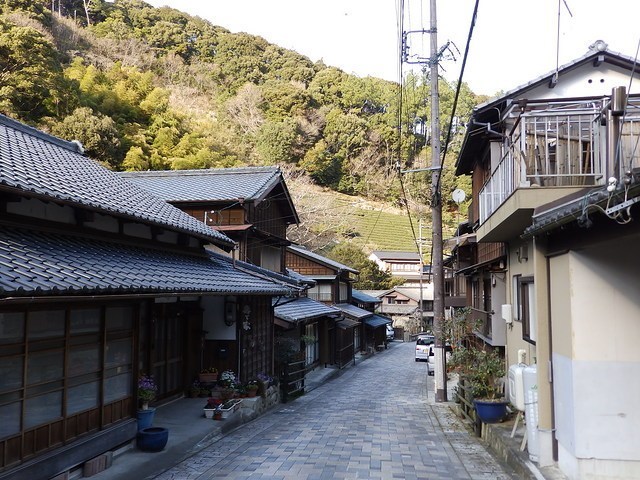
(101, 281)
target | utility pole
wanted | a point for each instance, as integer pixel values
(420, 309)
(440, 374)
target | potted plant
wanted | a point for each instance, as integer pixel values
(208, 375)
(228, 384)
(251, 388)
(194, 389)
(483, 370)
(264, 381)
(211, 406)
(147, 390)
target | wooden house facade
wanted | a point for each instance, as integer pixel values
(100, 282)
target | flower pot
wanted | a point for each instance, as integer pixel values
(231, 407)
(491, 411)
(252, 393)
(152, 439)
(208, 412)
(208, 377)
(145, 418)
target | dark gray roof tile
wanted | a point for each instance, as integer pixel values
(46, 166)
(299, 250)
(302, 309)
(64, 264)
(207, 185)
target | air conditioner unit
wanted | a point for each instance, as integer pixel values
(516, 386)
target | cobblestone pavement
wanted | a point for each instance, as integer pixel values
(374, 421)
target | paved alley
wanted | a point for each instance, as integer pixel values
(375, 421)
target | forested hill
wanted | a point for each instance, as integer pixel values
(154, 88)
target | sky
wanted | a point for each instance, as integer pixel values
(513, 42)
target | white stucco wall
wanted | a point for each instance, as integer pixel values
(596, 362)
(213, 320)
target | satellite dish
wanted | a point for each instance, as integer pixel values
(458, 196)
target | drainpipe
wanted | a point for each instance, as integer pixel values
(614, 125)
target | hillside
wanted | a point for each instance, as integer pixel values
(154, 88)
(367, 224)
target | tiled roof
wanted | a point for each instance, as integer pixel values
(41, 165)
(579, 208)
(285, 279)
(363, 297)
(320, 259)
(301, 278)
(53, 264)
(376, 321)
(302, 309)
(353, 311)
(347, 323)
(399, 309)
(219, 184)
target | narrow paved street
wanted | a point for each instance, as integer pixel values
(372, 422)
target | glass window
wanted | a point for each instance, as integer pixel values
(11, 373)
(527, 310)
(46, 324)
(83, 397)
(43, 409)
(10, 419)
(11, 327)
(85, 320)
(118, 353)
(117, 387)
(83, 359)
(119, 318)
(44, 366)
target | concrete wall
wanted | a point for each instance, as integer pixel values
(596, 361)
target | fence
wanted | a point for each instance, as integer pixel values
(292, 379)
(465, 400)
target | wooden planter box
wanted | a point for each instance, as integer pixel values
(208, 377)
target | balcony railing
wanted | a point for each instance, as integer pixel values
(483, 319)
(559, 144)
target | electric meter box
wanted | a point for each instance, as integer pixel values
(516, 386)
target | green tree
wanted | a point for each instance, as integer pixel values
(36, 9)
(276, 140)
(370, 277)
(97, 133)
(284, 99)
(321, 165)
(32, 84)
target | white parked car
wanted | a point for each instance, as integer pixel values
(390, 333)
(423, 343)
(425, 350)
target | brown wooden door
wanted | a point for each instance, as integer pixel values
(166, 349)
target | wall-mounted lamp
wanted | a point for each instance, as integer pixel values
(229, 313)
(246, 313)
